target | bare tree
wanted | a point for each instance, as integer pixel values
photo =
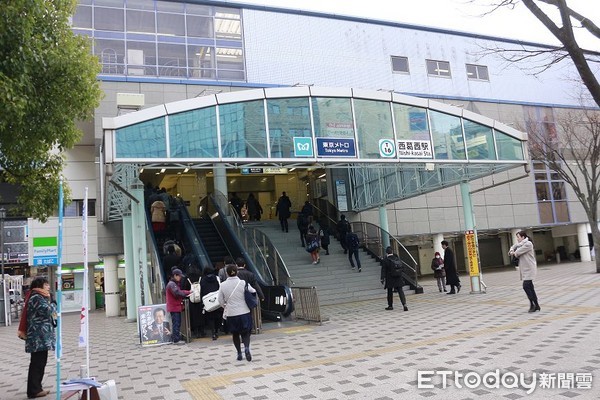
(562, 28)
(573, 152)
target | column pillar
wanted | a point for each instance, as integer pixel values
(111, 286)
(383, 223)
(474, 270)
(220, 181)
(513, 236)
(505, 246)
(437, 243)
(584, 243)
(129, 266)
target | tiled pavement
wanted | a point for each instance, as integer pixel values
(362, 352)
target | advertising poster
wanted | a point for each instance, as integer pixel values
(472, 253)
(154, 325)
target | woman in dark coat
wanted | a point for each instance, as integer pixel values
(450, 267)
(437, 265)
(39, 317)
(196, 318)
(210, 283)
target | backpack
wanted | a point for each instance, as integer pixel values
(396, 267)
(195, 292)
(353, 241)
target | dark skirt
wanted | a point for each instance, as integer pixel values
(240, 323)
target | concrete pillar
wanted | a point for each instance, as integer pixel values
(111, 286)
(513, 236)
(220, 181)
(475, 276)
(584, 243)
(437, 243)
(505, 246)
(129, 266)
(383, 223)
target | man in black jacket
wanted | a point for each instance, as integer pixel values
(391, 277)
(450, 267)
(249, 277)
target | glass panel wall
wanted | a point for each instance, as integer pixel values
(480, 141)
(144, 140)
(243, 131)
(411, 122)
(508, 147)
(373, 122)
(193, 134)
(447, 136)
(171, 39)
(333, 117)
(288, 118)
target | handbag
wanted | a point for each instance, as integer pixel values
(211, 301)
(514, 260)
(251, 300)
(312, 246)
(194, 295)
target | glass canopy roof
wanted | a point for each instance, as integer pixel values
(419, 145)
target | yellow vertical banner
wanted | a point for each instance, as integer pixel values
(472, 253)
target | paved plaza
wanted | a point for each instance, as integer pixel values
(363, 351)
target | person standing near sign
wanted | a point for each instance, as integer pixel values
(452, 278)
(525, 252)
(175, 298)
(391, 278)
(38, 330)
(437, 265)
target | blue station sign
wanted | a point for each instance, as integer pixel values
(336, 147)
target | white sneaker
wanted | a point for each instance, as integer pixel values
(314, 262)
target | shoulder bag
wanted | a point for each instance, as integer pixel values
(251, 300)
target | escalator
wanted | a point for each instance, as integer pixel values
(222, 234)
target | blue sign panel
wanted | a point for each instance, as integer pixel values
(51, 260)
(303, 147)
(335, 147)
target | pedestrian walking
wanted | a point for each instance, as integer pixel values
(343, 226)
(439, 273)
(212, 319)
(237, 314)
(313, 244)
(525, 252)
(282, 209)
(353, 245)
(452, 278)
(303, 223)
(324, 237)
(391, 278)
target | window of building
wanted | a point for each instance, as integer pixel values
(75, 208)
(400, 64)
(438, 68)
(477, 72)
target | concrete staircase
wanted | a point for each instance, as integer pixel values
(333, 277)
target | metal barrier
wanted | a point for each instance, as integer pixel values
(306, 304)
(256, 320)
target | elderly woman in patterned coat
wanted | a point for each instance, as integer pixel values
(37, 328)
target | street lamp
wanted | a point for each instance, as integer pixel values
(2, 217)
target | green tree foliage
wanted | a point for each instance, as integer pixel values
(47, 83)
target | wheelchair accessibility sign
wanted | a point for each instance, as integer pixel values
(303, 147)
(387, 149)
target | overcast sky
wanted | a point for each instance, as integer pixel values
(461, 15)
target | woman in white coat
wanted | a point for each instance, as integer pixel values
(524, 250)
(239, 316)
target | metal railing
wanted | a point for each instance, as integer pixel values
(306, 304)
(372, 239)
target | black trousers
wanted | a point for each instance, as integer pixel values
(390, 296)
(530, 291)
(37, 367)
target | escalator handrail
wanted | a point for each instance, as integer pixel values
(198, 249)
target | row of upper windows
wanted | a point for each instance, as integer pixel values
(441, 68)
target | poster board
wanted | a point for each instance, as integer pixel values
(154, 323)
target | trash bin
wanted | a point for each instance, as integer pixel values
(99, 300)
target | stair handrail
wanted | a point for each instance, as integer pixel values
(373, 243)
(250, 249)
